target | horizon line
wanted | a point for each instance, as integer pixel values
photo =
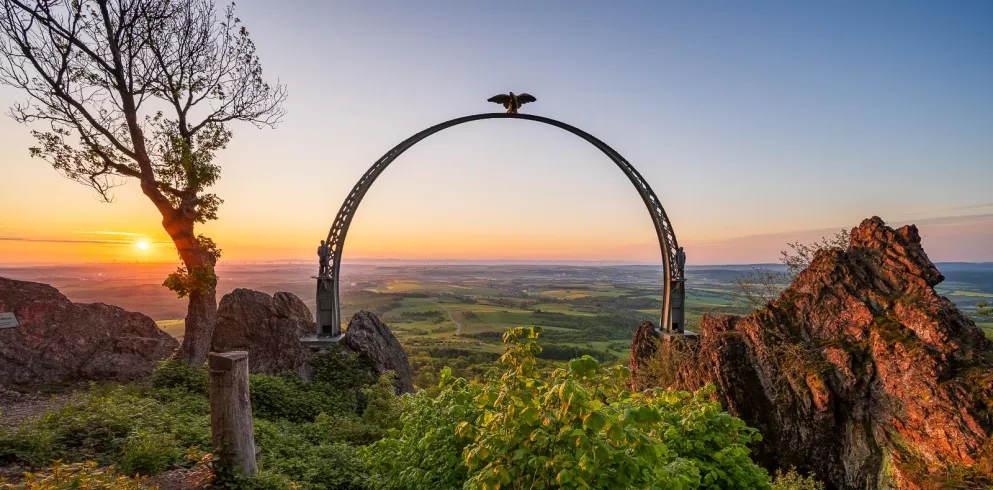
(360, 261)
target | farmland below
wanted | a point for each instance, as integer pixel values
(466, 306)
(454, 315)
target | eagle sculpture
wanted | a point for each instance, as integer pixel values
(511, 101)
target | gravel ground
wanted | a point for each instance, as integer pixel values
(16, 406)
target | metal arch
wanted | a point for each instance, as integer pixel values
(329, 320)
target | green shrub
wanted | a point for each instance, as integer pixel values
(571, 427)
(76, 476)
(108, 425)
(149, 453)
(341, 371)
(271, 480)
(172, 373)
(382, 407)
(286, 396)
(426, 451)
(309, 456)
(334, 467)
(791, 480)
(346, 428)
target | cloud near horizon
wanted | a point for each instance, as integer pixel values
(964, 238)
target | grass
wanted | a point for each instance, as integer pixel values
(496, 310)
(566, 308)
(568, 294)
(173, 327)
(987, 328)
(972, 294)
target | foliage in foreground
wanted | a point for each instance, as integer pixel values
(75, 476)
(791, 480)
(528, 424)
(308, 432)
(571, 427)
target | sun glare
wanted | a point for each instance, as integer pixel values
(142, 245)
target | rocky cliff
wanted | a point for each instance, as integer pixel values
(372, 340)
(61, 341)
(859, 373)
(269, 328)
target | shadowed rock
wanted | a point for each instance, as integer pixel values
(268, 327)
(61, 341)
(371, 339)
(859, 372)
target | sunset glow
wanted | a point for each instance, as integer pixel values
(749, 142)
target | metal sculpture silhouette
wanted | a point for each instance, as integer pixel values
(512, 102)
(672, 316)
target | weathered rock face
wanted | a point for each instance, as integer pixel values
(268, 327)
(371, 339)
(859, 372)
(643, 348)
(61, 341)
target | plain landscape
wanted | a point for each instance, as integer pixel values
(591, 309)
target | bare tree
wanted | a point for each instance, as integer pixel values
(758, 287)
(145, 90)
(799, 256)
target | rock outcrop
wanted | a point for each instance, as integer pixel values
(61, 341)
(643, 348)
(268, 327)
(859, 373)
(372, 340)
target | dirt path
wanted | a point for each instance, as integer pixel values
(16, 407)
(458, 331)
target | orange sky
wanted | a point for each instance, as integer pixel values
(748, 141)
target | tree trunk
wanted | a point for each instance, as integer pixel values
(201, 315)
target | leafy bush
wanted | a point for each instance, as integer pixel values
(76, 476)
(105, 423)
(174, 374)
(571, 427)
(661, 368)
(148, 453)
(791, 480)
(271, 480)
(426, 451)
(382, 405)
(309, 456)
(528, 424)
(286, 396)
(341, 371)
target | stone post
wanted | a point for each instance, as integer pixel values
(231, 414)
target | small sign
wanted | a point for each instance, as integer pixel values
(8, 320)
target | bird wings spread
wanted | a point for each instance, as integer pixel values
(499, 99)
(525, 98)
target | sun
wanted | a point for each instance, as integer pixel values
(142, 245)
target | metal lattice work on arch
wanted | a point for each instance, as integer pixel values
(672, 316)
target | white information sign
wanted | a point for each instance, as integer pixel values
(8, 320)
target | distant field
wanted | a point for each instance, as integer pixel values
(587, 307)
(971, 294)
(175, 328)
(581, 293)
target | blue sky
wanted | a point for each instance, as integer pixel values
(766, 120)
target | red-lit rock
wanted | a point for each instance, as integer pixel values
(859, 372)
(61, 341)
